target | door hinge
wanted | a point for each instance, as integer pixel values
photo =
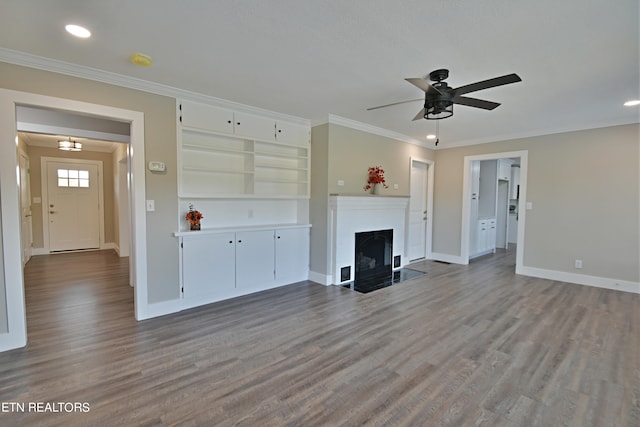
(182, 245)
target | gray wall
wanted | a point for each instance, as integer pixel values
(341, 153)
(160, 144)
(584, 187)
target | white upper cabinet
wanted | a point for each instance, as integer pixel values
(206, 117)
(225, 153)
(292, 133)
(504, 169)
(254, 127)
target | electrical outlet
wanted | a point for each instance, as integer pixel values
(340, 183)
(578, 263)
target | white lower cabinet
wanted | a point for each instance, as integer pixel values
(221, 265)
(292, 254)
(485, 238)
(255, 255)
(208, 265)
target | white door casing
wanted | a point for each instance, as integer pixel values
(16, 334)
(73, 205)
(467, 226)
(25, 207)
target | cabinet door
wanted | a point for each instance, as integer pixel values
(475, 179)
(255, 257)
(256, 127)
(481, 239)
(491, 234)
(208, 265)
(292, 133)
(207, 117)
(292, 255)
(515, 181)
(504, 169)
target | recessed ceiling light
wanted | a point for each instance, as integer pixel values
(78, 31)
(141, 59)
(632, 103)
(431, 136)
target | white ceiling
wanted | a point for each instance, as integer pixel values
(578, 59)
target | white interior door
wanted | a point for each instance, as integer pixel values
(25, 207)
(418, 211)
(73, 210)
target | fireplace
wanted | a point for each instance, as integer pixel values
(373, 257)
(351, 215)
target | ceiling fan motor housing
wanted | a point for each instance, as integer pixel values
(438, 104)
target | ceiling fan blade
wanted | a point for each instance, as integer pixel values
(422, 84)
(474, 102)
(394, 103)
(486, 84)
(420, 115)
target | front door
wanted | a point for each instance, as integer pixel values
(418, 211)
(73, 206)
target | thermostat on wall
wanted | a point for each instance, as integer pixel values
(157, 166)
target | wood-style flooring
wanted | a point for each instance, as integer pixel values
(459, 346)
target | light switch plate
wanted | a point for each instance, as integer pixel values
(151, 205)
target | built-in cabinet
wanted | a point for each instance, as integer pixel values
(225, 153)
(515, 182)
(484, 180)
(245, 171)
(217, 265)
(486, 236)
(504, 169)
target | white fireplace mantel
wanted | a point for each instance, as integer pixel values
(350, 214)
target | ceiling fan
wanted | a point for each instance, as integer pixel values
(440, 97)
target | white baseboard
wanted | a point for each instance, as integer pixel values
(110, 245)
(581, 279)
(323, 279)
(453, 259)
(39, 251)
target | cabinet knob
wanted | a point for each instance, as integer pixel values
(279, 130)
(239, 241)
(238, 123)
(278, 237)
(229, 121)
(230, 241)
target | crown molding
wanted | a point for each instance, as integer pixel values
(364, 127)
(535, 133)
(74, 70)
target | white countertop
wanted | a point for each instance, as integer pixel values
(239, 228)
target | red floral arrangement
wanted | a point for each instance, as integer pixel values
(376, 176)
(193, 216)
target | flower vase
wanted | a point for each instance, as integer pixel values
(374, 189)
(194, 226)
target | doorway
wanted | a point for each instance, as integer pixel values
(73, 204)
(419, 237)
(468, 223)
(16, 334)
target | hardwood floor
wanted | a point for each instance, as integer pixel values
(460, 346)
